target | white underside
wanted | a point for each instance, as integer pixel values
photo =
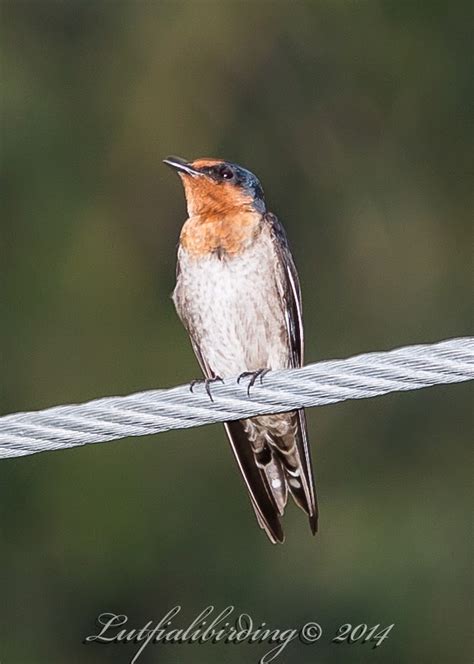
(233, 310)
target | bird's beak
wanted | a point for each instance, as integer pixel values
(181, 165)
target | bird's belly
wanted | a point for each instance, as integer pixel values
(233, 312)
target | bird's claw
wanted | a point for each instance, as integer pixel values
(260, 373)
(207, 382)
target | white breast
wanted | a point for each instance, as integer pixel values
(232, 309)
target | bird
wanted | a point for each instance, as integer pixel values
(238, 296)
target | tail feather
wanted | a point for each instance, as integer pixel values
(274, 459)
(274, 477)
(262, 499)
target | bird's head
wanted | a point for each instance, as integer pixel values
(216, 188)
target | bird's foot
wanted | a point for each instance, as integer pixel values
(260, 373)
(207, 382)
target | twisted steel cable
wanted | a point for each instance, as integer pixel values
(154, 411)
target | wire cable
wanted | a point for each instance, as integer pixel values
(319, 384)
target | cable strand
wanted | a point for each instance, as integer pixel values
(154, 411)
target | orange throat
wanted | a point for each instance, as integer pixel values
(222, 218)
(227, 234)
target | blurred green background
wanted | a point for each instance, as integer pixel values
(356, 117)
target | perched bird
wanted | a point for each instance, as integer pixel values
(238, 296)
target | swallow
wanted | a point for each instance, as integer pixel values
(238, 296)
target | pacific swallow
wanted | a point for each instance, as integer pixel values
(238, 295)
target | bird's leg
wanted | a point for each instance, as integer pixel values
(260, 373)
(207, 382)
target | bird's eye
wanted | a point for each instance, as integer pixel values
(226, 172)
